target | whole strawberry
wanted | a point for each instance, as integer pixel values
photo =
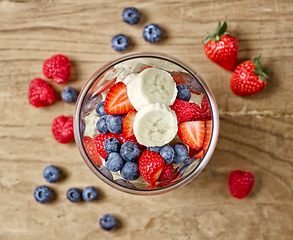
(57, 68)
(240, 183)
(40, 93)
(249, 78)
(222, 47)
(62, 129)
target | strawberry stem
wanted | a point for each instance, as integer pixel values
(260, 71)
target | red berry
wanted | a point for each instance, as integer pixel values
(57, 68)
(100, 139)
(206, 109)
(249, 78)
(240, 183)
(197, 112)
(123, 139)
(183, 110)
(151, 165)
(221, 47)
(40, 93)
(91, 149)
(167, 173)
(150, 187)
(128, 124)
(192, 133)
(62, 129)
(146, 67)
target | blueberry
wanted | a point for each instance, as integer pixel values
(100, 109)
(51, 174)
(90, 194)
(102, 125)
(115, 123)
(130, 151)
(152, 33)
(108, 222)
(131, 15)
(114, 162)
(183, 92)
(74, 194)
(119, 42)
(69, 95)
(168, 154)
(181, 153)
(130, 171)
(106, 172)
(156, 149)
(42, 194)
(112, 145)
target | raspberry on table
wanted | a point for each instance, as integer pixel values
(62, 129)
(240, 183)
(57, 68)
(40, 93)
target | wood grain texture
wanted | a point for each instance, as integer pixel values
(256, 133)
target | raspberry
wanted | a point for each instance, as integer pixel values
(57, 68)
(183, 110)
(100, 139)
(62, 129)
(240, 183)
(197, 112)
(91, 149)
(167, 173)
(40, 93)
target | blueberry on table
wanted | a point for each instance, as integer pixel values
(183, 92)
(130, 171)
(108, 222)
(114, 162)
(42, 194)
(51, 174)
(131, 15)
(152, 33)
(100, 109)
(168, 154)
(115, 123)
(120, 42)
(90, 194)
(74, 194)
(181, 153)
(69, 95)
(102, 125)
(130, 151)
(112, 145)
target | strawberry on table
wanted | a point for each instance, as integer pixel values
(91, 149)
(192, 133)
(249, 78)
(240, 183)
(151, 165)
(117, 101)
(128, 124)
(221, 47)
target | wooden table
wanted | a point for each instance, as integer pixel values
(256, 132)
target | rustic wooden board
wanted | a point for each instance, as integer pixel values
(256, 132)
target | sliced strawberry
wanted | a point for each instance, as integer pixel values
(128, 124)
(192, 133)
(200, 154)
(167, 173)
(99, 140)
(208, 135)
(192, 152)
(117, 101)
(197, 112)
(145, 68)
(150, 187)
(91, 149)
(151, 165)
(206, 109)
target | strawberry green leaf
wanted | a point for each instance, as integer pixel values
(260, 71)
(220, 31)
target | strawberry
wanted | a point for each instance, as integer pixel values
(240, 183)
(193, 152)
(62, 129)
(128, 124)
(192, 133)
(91, 149)
(183, 110)
(206, 109)
(178, 77)
(221, 47)
(117, 101)
(150, 187)
(151, 165)
(167, 173)
(132, 138)
(249, 78)
(99, 140)
(197, 114)
(57, 68)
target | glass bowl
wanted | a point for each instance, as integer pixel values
(94, 92)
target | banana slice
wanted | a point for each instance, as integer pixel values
(150, 86)
(155, 125)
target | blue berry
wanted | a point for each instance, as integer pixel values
(100, 109)
(130, 171)
(181, 153)
(74, 194)
(152, 33)
(183, 92)
(51, 174)
(112, 145)
(114, 162)
(106, 172)
(102, 125)
(120, 42)
(115, 123)
(156, 149)
(69, 95)
(130, 151)
(108, 222)
(90, 194)
(131, 15)
(42, 194)
(168, 154)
